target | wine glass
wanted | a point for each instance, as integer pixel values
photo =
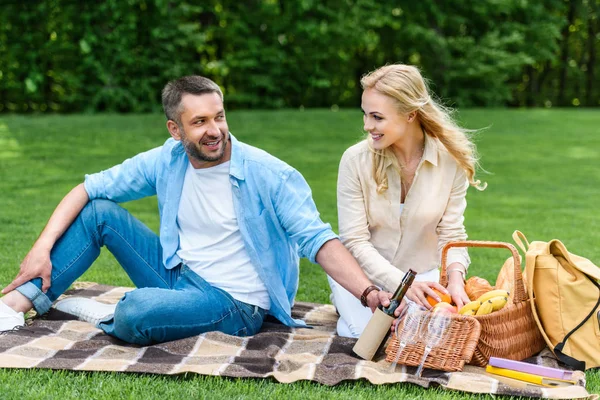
(437, 327)
(414, 317)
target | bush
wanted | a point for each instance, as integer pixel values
(116, 55)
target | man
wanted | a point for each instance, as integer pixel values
(234, 221)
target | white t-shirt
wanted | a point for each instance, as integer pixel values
(210, 242)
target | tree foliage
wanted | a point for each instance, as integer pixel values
(116, 55)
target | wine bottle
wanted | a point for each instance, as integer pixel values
(408, 279)
(378, 328)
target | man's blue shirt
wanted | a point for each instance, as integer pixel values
(277, 216)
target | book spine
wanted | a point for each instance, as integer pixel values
(523, 376)
(530, 368)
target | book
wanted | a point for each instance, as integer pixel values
(531, 378)
(515, 383)
(531, 368)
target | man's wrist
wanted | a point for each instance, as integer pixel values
(43, 244)
(365, 294)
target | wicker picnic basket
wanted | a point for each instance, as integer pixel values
(508, 333)
(457, 350)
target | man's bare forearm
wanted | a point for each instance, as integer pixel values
(63, 216)
(36, 263)
(338, 263)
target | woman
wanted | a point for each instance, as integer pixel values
(401, 193)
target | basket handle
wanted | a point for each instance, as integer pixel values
(519, 237)
(519, 295)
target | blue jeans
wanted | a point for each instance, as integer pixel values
(168, 304)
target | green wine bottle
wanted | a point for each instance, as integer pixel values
(373, 337)
(396, 299)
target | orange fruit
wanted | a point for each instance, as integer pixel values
(445, 298)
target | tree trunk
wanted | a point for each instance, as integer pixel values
(592, 31)
(531, 95)
(564, 55)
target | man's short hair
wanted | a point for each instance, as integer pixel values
(174, 91)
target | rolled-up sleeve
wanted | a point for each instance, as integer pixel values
(299, 216)
(451, 227)
(133, 179)
(354, 227)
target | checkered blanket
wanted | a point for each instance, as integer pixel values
(285, 354)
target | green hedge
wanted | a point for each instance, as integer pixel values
(116, 55)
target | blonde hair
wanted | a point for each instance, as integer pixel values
(406, 86)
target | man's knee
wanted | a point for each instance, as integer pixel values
(132, 311)
(98, 213)
(99, 209)
(136, 314)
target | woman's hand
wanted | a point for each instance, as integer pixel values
(459, 296)
(456, 285)
(419, 290)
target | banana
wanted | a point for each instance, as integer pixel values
(493, 293)
(469, 312)
(485, 308)
(498, 302)
(472, 306)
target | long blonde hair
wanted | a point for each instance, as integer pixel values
(406, 86)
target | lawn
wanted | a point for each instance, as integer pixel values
(543, 172)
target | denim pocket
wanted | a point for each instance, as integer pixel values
(253, 317)
(241, 332)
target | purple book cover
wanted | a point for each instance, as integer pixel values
(530, 368)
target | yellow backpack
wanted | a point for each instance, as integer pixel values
(566, 296)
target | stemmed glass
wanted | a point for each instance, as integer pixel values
(437, 327)
(414, 317)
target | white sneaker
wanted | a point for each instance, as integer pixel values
(85, 309)
(9, 318)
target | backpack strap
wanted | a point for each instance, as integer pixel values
(530, 259)
(570, 361)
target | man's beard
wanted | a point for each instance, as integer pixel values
(194, 150)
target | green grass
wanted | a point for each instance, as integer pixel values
(544, 172)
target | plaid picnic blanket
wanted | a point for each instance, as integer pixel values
(285, 354)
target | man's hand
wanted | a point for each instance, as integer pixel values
(37, 262)
(377, 297)
(397, 313)
(417, 292)
(35, 265)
